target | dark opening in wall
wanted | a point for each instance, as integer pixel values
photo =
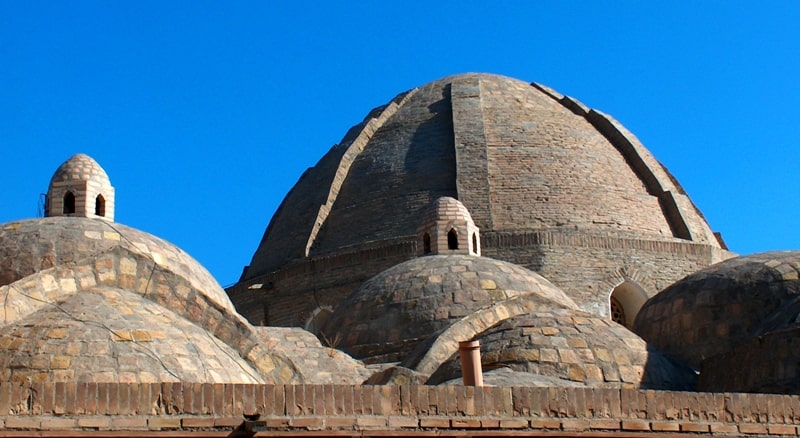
(452, 239)
(474, 242)
(69, 203)
(426, 243)
(617, 311)
(100, 206)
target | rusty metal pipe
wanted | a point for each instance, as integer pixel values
(471, 372)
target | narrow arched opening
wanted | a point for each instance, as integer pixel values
(475, 243)
(426, 243)
(100, 206)
(452, 239)
(69, 203)
(625, 302)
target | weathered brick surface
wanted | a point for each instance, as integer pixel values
(452, 287)
(154, 327)
(573, 346)
(570, 410)
(716, 317)
(524, 162)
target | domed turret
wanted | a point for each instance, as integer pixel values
(447, 228)
(80, 187)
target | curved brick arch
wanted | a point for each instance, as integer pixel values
(446, 343)
(130, 271)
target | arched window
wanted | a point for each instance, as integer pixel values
(69, 203)
(475, 243)
(100, 205)
(426, 243)
(452, 239)
(625, 302)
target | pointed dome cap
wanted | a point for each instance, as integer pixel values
(80, 167)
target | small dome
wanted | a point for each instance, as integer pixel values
(715, 309)
(80, 167)
(392, 312)
(447, 228)
(33, 245)
(571, 347)
(81, 188)
(112, 335)
(446, 208)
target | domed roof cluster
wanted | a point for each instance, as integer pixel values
(552, 185)
(473, 208)
(89, 300)
(461, 208)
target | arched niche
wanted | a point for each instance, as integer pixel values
(625, 301)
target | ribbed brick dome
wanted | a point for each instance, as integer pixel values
(517, 155)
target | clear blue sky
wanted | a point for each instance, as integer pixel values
(204, 114)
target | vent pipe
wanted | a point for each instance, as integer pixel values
(471, 373)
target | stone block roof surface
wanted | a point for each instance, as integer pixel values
(405, 304)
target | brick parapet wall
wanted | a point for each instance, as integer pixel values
(407, 247)
(293, 291)
(409, 410)
(579, 238)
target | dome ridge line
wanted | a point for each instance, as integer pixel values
(656, 185)
(470, 144)
(349, 156)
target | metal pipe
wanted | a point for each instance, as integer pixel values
(471, 372)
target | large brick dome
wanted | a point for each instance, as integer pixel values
(512, 153)
(552, 185)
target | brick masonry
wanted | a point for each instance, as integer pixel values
(524, 160)
(92, 408)
(584, 265)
